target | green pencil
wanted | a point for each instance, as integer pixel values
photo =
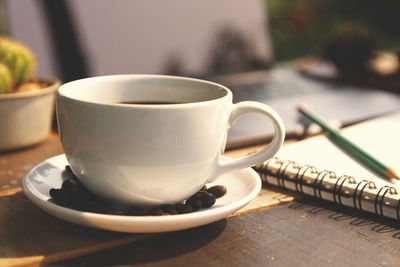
(349, 147)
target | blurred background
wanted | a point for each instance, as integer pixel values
(305, 27)
(74, 39)
(340, 58)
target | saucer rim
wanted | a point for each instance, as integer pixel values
(84, 218)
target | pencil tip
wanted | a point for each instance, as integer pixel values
(302, 108)
(391, 173)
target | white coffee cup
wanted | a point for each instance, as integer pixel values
(152, 154)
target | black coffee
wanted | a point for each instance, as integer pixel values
(150, 102)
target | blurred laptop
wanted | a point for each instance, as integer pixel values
(284, 88)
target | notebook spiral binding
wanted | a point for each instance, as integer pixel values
(326, 185)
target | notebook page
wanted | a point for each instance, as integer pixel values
(380, 137)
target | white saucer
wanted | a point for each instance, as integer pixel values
(242, 186)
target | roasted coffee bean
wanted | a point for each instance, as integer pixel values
(197, 195)
(207, 200)
(203, 189)
(73, 177)
(170, 209)
(136, 211)
(115, 212)
(73, 197)
(62, 196)
(54, 193)
(183, 208)
(59, 196)
(157, 212)
(217, 190)
(69, 184)
(73, 194)
(195, 203)
(68, 169)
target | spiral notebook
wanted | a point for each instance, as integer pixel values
(319, 168)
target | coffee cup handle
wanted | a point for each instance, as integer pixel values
(226, 165)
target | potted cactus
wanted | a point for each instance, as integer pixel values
(26, 102)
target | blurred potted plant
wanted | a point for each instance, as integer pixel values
(26, 102)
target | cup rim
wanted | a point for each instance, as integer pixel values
(64, 87)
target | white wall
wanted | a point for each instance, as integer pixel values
(132, 36)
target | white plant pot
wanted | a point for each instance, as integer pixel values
(26, 117)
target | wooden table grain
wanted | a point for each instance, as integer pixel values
(301, 233)
(277, 228)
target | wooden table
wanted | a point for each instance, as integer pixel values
(277, 228)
